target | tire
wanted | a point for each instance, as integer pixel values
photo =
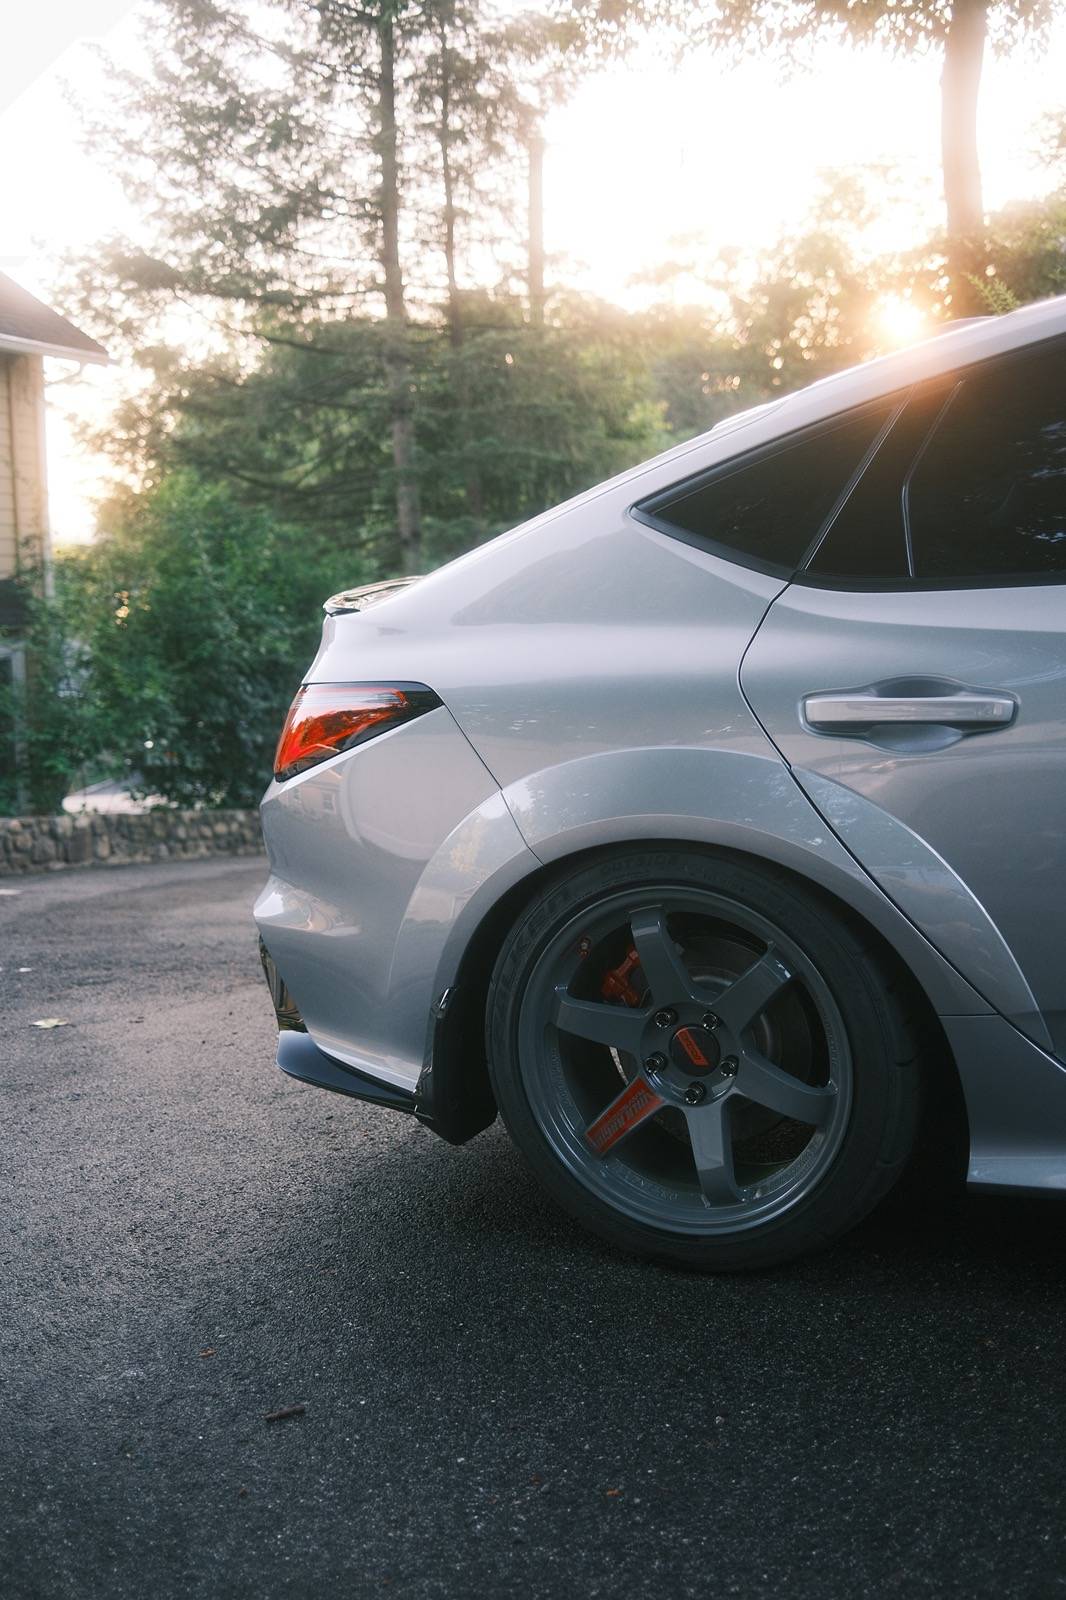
(700, 1061)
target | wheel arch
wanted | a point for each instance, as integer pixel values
(458, 1059)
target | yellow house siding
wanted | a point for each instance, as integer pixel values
(30, 493)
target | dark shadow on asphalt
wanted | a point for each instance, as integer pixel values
(498, 1404)
(480, 1210)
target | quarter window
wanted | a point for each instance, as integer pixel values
(768, 509)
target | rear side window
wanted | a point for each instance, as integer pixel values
(987, 496)
(768, 509)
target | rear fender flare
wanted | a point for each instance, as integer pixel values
(730, 800)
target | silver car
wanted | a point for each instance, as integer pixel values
(711, 828)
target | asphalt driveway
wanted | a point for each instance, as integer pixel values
(495, 1404)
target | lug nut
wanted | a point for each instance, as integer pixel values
(656, 1062)
(665, 1018)
(728, 1068)
(694, 1094)
(711, 1021)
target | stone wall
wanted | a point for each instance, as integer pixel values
(95, 839)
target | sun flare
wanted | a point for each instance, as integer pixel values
(901, 321)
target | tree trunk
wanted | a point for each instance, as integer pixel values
(455, 309)
(960, 81)
(536, 230)
(396, 357)
(456, 329)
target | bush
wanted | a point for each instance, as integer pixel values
(196, 619)
(50, 720)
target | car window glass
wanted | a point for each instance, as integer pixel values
(769, 509)
(988, 496)
(867, 540)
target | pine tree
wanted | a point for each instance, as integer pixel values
(290, 171)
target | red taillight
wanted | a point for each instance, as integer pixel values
(326, 718)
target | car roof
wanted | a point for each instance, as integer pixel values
(958, 344)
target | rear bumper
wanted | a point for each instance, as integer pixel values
(380, 862)
(451, 1104)
(300, 1057)
(456, 1117)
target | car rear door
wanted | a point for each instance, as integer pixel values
(914, 675)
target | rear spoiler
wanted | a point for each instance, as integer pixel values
(367, 595)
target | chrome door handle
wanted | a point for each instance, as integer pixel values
(863, 709)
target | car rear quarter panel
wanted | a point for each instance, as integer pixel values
(373, 857)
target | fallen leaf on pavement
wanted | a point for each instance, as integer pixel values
(205, 1353)
(286, 1411)
(50, 1022)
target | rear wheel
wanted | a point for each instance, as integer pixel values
(698, 1060)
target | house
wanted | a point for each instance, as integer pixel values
(29, 331)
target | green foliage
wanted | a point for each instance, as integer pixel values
(51, 719)
(175, 642)
(1027, 251)
(997, 296)
(197, 618)
(304, 435)
(296, 162)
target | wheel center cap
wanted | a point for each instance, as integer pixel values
(695, 1050)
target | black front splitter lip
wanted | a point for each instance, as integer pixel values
(300, 1057)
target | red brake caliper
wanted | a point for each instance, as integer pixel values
(638, 1099)
(616, 984)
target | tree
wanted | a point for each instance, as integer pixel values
(473, 112)
(51, 720)
(304, 434)
(196, 619)
(958, 29)
(287, 175)
(353, 33)
(287, 156)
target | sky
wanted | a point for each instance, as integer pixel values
(646, 154)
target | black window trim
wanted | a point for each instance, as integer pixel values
(916, 460)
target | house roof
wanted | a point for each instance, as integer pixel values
(29, 327)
